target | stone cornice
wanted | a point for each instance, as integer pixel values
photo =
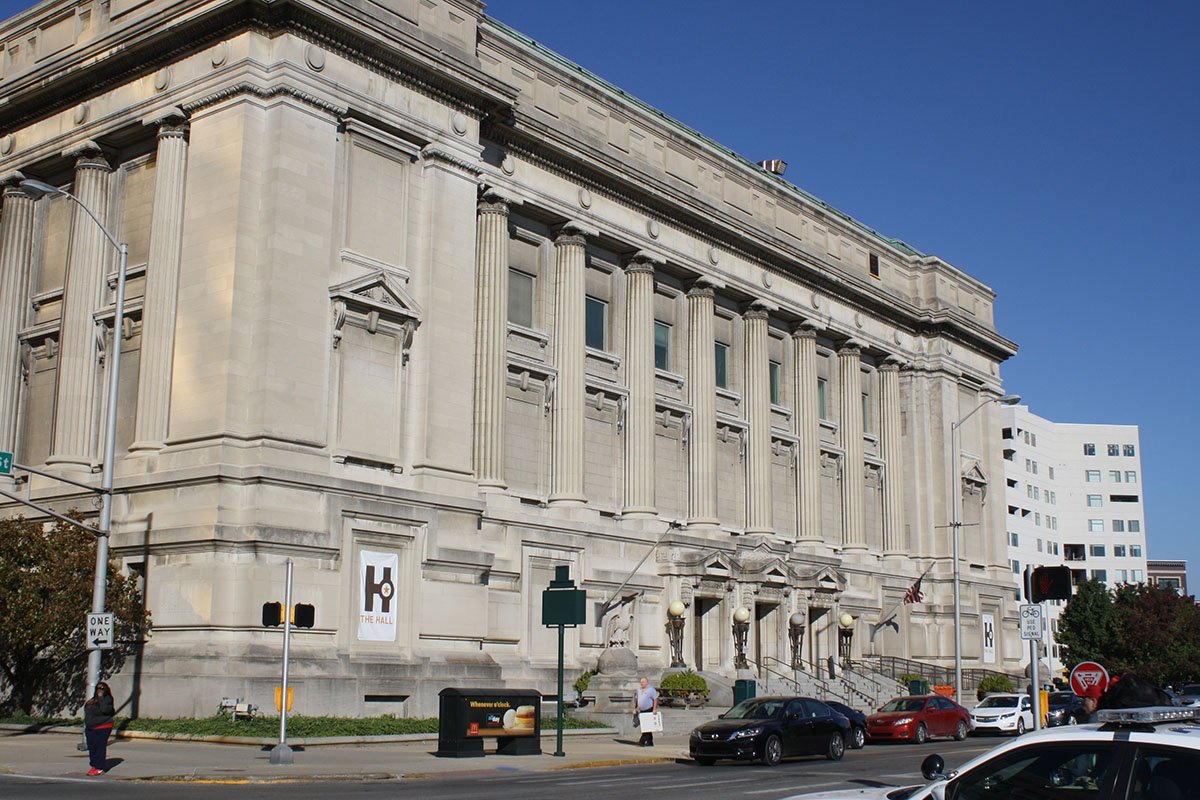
(264, 93)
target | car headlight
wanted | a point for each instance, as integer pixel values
(747, 733)
(696, 734)
(903, 721)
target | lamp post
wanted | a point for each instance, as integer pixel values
(956, 524)
(845, 637)
(796, 625)
(36, 190)
(675, 623)
(741, 631)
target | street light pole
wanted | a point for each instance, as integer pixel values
(35, 190)
(956, 525)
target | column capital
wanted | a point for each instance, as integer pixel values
(805, 328)
(704, 286)
(173, 122)
(644, 261)
(497, 194)
(851, 347)
(10, 185)
(759, 309)
(890, 365)
(492, 204)
(88, 155)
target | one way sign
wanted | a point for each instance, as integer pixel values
(100, 631)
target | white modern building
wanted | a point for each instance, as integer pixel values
(1074, 498)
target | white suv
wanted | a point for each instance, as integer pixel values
(1131, 754)
(1003, 713)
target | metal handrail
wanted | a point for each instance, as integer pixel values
(825, 686)
(894, 666)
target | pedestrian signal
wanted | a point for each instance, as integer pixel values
(1050, 583)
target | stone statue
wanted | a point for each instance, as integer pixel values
(618, 628)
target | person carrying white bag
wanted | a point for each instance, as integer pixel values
(645, 712)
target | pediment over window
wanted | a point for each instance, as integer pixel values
(825, 580)
(975, 480)
(371, 300)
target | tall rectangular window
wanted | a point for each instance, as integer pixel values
(1136, 575)
(1051, 472)
(1114, 475)
(1130, 476)
(822, 398)
(1092, 475)
(520, 298)
(662, 345)
(722, 365)
(873, 261)
(1089, 449)
(596, 324)
(1121, 575)
(1135, 550)
(1128, 450)
(1114, 449)
(1118, 551)
(773, 370)
(1096, 525)
(1118, 526)
(866, 411)
(1035, 468)
(1135, 526)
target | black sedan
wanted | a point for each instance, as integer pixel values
(1062, 708)
(858, 724)
(770, 729)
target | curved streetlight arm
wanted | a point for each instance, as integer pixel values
(36, 189)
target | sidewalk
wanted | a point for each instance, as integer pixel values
(55, 756)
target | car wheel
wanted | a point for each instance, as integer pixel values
(837, 747)
(858, 738)
(922, 734)
(1020, 726)
(960, 733)
(706, 762)
(772, 751)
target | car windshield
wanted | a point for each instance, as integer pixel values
(1190, 688)
(998, 702)
(754, 709)
(1061, 698)
(904, 704)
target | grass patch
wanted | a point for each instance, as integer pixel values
(300, 727)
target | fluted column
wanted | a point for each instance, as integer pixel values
(491, 338)
(893, 474)
(91, 256)
(851, 425)
(566, 471)
(162, 286)
(807, 427)
(639, 374)
(16, 236)
(702, 395)
(758, 416)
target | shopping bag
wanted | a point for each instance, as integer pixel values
(650, 721)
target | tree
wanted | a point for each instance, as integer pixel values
(1085, 628)
(46, 576)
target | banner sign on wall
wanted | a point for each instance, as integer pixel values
(989, 639)
(377, 596)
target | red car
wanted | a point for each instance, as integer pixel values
(916, 719)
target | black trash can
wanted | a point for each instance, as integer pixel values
(743, 690)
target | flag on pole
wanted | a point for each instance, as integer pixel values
(914, 593)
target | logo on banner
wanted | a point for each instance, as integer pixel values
(989, 639)
(376, 615)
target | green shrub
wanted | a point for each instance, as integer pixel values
(581, 683)
(996, 683)
(908, 678)
(684, 680)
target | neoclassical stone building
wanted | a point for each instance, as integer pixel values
(430, 310)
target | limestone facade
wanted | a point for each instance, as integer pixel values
(405, 285)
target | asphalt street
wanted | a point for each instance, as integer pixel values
(873, 766)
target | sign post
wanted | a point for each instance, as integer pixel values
(1032, 628)
(281, 753)
(563, 606)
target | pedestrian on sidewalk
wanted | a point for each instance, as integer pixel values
(647, 701)
(98, 713)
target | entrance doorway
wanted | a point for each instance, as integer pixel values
(707, 632)
(766, 635)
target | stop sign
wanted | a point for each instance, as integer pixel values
(1089, 678)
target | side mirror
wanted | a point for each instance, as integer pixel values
(933, 768)
(721, 715)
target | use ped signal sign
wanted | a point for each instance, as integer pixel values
(1031, 621)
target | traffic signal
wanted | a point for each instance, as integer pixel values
(304, 615)
(1050, 583)
(272, 615)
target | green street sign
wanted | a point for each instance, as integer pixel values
(562, 603)
(5, 463)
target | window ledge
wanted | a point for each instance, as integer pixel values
(729, 395)
(828, 425)
(612, 359)
(522, 332)
(670, 377)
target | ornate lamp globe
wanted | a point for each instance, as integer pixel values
(846, 621)
(676, 609)
(741, 614)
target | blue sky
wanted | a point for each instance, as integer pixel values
(1049, 149)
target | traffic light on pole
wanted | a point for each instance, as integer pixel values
(1050, 583)
(272, 615)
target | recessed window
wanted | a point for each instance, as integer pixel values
(1050, 472)
(866, 411)
(1037, 518)
(1039, 545)
(1013, 539)
(1130, 476)
(1118, 551)
(1118, 526)
(1127, 450)
(1100, 574)
(774, 370)
(1096, 525)
(1135, 550)
(1114, 475)
(822, 398)
(1136, 575)
(1134, 525)
(1006, 433)
(1033, 440)
(662, 345)
(1121, 575)
(596, 325)
(873, 261)
(1095, 500)
(1123, 498)
(722, 365)
(1035, 468)
(1089, 449)
(1114, 449)
(1092, 475)
(1097, 551)
(1074, 552)
(520, 298)
(1016, 567)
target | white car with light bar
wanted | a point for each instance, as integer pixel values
(1150, 753)
(1002, 713)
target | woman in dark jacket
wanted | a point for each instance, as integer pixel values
(97, 724)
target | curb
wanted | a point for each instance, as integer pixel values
(315, 741)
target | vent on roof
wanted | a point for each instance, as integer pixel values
(774, 166)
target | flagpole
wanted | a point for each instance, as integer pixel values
(886, 618)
